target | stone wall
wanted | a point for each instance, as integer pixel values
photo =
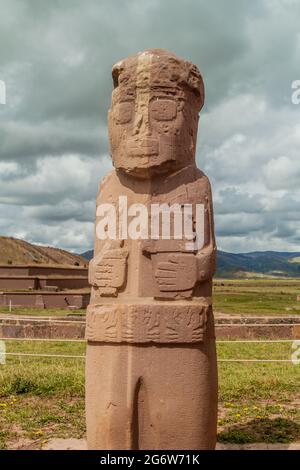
(40, 270)
(74, 327)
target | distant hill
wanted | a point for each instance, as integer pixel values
(15, 251)
(258, 263)
(88, 255)
(253, 264)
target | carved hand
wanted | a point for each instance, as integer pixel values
(107, 270)
(110, 271)
(177, 273)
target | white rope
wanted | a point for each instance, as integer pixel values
(79, 322)
(83, 357)
(255, 360)
(46, 320)
(41, 355)
(46, 339)
(256, 341)
(62, 340)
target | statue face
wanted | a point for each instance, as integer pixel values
(152, 129)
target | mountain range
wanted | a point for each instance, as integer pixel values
(229, 265)
(253, 264)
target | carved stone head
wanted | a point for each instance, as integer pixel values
(153, 118)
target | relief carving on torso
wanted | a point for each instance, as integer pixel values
(149, 242)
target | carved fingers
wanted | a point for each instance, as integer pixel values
(108, 270)
(177, 273)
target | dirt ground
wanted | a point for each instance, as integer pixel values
(80, 444)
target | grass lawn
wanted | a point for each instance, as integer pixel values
(43, 398)
(38, 312)
(257, 297)
(233, 296)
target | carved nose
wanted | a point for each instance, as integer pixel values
(141, 125)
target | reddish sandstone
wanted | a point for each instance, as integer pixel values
(151, 375)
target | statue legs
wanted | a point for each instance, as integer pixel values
(154, 396)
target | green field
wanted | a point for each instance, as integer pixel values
(257, 297)
(43, 398)
(233, 296)
(41, 312)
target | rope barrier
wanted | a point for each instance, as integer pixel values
(79, 322)
(64, 356)
(42, 355)
(45, 320)
(255, 360)
(54, 340)
(62, 340)
(257, 341)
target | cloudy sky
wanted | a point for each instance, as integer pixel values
(56, 58)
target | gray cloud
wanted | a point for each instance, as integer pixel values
(56, 59)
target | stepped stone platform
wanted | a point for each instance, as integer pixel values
(66, 327)
(40, 282)
(44, 286)
(41, 269)
(45, 299)
(251, 326)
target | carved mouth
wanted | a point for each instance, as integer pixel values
(142, 148)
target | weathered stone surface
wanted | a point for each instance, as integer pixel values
(146, 323)
(151, 379)
(40, 270)
(242, 328)
(45, 299)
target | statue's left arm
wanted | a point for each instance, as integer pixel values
(206, 256)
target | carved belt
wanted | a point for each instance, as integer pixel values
(144, 323)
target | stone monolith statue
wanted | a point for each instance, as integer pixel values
(151, 375)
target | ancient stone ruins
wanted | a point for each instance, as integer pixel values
(44, 286)
(151, 375)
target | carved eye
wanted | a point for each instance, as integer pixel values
(164, 110)
(124, 112)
